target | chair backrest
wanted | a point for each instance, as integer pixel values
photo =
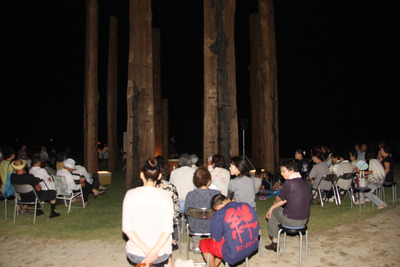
(347, 176)
(24, 189)
(204, 214)
(62, 186)
(329, 177)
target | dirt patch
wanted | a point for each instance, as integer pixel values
(372, 242)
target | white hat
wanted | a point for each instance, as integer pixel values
(69, 163)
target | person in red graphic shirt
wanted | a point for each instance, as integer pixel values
(234, 230)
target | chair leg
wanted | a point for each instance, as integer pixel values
(300, 246)
(278, 245)
(306, 243)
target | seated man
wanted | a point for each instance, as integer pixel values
(91, 178)
(21, 177)
(234, 231)
(295, 196)
(69, 167)
(200, 198)
(39, 172)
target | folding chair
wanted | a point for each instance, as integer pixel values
(345, 176)
(204, 214)
(64, 192)
(331, 178)
(32, 205)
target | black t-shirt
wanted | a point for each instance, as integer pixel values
(297, 194)
(389, 176)
(25, 178)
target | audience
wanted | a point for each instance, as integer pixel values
(5, 166)
(194, 159)
(234, 231)
(69, 167)
(171, 190)
(147, 219)
(39, 172)
(242, 187)
(198, 199)
(291, 206)
(182, 178)
(375, 176)
(319, 169)
(45, 194)
(387, 162)
(220, 176)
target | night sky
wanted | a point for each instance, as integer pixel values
(337, 71)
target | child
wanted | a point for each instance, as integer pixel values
(234, 231)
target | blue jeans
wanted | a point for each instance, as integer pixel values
(138, 259)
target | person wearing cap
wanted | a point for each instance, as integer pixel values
(20, 176)
(87, 188)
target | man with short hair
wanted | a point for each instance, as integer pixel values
(22, 177)
(182, 178)
(39, 172)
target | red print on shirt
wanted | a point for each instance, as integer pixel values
(239, 220)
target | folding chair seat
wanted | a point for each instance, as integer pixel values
(204, 214)
(32, 205)
(64, 192)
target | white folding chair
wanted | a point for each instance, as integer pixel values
(64, 192)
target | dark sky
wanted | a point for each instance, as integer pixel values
(337, 70)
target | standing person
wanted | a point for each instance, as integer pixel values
(234, 231)
(147, 214)
(362, 152)
(242, 187)
(291, 206)
(387, 162)
(198, 199)
(220, 176)
(21, 177)
(182, 178)
(5, 166)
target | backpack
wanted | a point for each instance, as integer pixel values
(9, 191)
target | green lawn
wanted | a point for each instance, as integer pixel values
(101, 220)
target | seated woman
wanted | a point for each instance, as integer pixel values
(147, 219)
(242, 187)
(200, 198)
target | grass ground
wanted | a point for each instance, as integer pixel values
(101, 220)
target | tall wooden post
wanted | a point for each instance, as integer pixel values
(91, 88)
(220, 112)
(158, 130)
(269, 84)
(165, 127)
(112, 96)
(256, 93)
(140, 105)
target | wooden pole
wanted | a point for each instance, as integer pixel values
(220, 111)
(112, 94)
(140, 106)
(256, 93)
(91, 88)
(269, 84)
(158, 116)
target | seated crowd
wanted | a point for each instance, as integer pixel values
(37, 169)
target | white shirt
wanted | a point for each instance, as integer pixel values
(70, 179)
(148, 212)
(42, 174)
(182, 178)
(82, 171)
(220, 178)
